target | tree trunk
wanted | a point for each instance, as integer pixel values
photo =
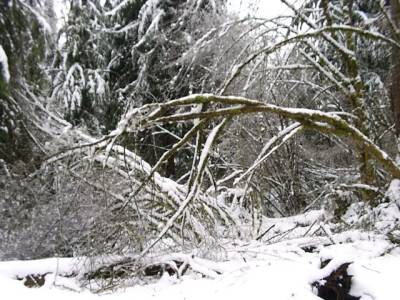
(395, 72)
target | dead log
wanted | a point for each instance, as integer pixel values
(176, 265)
(117, 269)
(335, 286)
(34, 280)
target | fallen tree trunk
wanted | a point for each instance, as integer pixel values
(335, 286)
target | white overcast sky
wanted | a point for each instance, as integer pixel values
(261, 8)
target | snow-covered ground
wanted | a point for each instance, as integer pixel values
(281, 265)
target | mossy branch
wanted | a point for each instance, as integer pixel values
(326, 122)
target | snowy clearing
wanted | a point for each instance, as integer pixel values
(285, 268)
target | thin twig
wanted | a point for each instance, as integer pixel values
(264, 233)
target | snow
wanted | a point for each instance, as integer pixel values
(61, 9)
(239, 269)
(117, 8)
(149, 12)
(393, 192)
(375, 278)
(39, 17)
(97, 85)
(285, 134)
(4, 65)
(257, 8)
(272, 273)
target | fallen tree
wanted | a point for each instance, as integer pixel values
(180, 201)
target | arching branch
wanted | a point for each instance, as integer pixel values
(228, 106)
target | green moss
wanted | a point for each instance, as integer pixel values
(4, 89)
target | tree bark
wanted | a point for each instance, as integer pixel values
(395, 72)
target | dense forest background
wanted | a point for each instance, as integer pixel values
(130, 124)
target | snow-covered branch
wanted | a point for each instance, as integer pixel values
(318, 120)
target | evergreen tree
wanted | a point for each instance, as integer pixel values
(81, 88)
(23, 40)
(158, 59)
(130, 53)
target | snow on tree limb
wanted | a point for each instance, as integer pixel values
(318, 120)
(344, 50)
(284, 134)
(322, 32)
(195, 188)
(171, 152)
(322, 121)
(117, 8)
(362, 32)
(4, 65)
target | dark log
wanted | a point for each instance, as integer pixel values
(33, 280)
(160, 268)
(337, 285)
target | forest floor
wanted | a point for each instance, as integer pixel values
(298, 257)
